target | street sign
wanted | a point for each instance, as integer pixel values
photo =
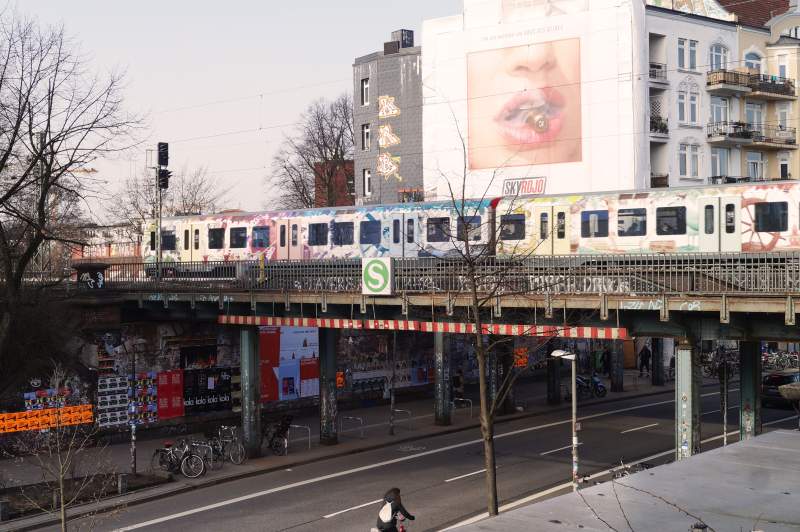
(376, 277)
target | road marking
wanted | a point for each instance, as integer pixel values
(719, 410)
(334, 514)
(368, 467)
(639, 428)
(559, 449)
(467, 475)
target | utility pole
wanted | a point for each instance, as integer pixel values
(391, 385)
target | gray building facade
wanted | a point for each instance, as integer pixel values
(387, 118)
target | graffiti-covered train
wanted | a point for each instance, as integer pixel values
(728, 218)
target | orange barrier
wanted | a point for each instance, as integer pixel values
(46, 418)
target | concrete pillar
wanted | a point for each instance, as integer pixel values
(553, 381)
(657, 368)
(251, 391)
(441, 355)
(617, 366)
(749, 390)
(328, 409)
(505, 365)
(688, 379)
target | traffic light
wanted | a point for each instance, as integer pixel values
(163, 154)
(163, 178)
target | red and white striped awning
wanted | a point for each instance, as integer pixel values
(600, 333)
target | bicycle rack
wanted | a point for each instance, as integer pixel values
(304, 427)
(406, 412)
(464, 402)
(359, 420)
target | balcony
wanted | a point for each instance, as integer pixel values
(768, 87)
(659, 129)
(658, 75)
(729, 133)
(659, 180)
(767, 136)
(727, 82)
(729, 179)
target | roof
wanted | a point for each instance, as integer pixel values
(755, 12)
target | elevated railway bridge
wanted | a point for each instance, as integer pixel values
(691, 297)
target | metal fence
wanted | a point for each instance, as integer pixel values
(645, 274)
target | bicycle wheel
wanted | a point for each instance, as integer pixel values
(159, 461)
(236, 453)
(192, 466)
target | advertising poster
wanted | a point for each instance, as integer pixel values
(170, 394)
(289, 358)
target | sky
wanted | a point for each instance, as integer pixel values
(223, 82)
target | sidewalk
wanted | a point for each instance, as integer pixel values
(530, 395)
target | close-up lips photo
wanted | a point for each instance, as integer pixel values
(532, 117)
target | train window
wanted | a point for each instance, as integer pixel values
(671, 221)
(294, 234)
(438, 229)
(216, 238)
(512, 227)
(260, 237)
(410, 231)
(632, 222)
(730, 218)
(168, 240)
(197, 239)
(708, 212)
(185, 239)
(317, 234)
(771, 216)
(561, 225)
(369, 232)
(469, 227)
(238, 237)
(594, 224)
(342, 233)
(395, 231)
(543, 229)
(152, 240)
(283, 236)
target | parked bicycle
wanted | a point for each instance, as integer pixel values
(276, 435)
(178, 457)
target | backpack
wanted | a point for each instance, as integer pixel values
(385, 515)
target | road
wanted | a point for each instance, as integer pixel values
(441, 478)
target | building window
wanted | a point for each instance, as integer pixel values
(719, 109)
(755, 166)
(682, 107)
(318, 234)
(238, 237)
(692, 55)
(512, 227)
(719, 161)
(342, 233)
(782, 66)
(754, 114)
(438, 229)
(632, 222)
(365, 91)
(689, 160)
(752, 61)
(216, 238)
(369, 232)
(784, 164)
(469, 228)
(671, 220)
(771, 217)
(718, 59)
(260, 237)
(782, 110)
(693, 99)
(366, 179)
(594, 224)
(365, 138)
(681, 53)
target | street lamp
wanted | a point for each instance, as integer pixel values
(566, 355)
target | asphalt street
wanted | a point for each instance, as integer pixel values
(441, 477)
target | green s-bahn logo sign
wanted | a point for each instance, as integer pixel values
(376, 277)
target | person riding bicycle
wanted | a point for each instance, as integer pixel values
(387, 517)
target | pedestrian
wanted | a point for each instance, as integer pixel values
(392, 505)
(644, 360)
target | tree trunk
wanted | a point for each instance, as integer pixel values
(62, 501)
(487, 431)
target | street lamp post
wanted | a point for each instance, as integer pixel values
(559, 353)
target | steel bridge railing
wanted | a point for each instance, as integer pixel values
(642, 274)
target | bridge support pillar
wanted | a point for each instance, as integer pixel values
(688, 379)
(328, 408)
(617, 366)
(442, 405)
(749, 390)
(553, 381)
(251, 391)
(657, 366)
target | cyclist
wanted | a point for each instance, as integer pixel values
(387, 517)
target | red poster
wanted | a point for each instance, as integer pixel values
(170, 394)
(269, 345)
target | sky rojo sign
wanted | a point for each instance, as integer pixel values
(376, 277)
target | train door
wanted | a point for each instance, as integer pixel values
(560, 232)
(543, 230)
(730, 236)
(282, 249)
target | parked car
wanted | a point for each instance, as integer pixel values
(771, 382)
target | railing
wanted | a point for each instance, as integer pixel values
(658, 71)
(659, 180)
(763, 83)
(641, 274)
(659, 125)
(773, 134)
(727, 77)
(733, 130)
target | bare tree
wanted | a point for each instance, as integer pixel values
(55, 118)
(317, 158)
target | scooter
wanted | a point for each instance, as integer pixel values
(590, 387)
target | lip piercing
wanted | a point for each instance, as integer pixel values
(539, 123)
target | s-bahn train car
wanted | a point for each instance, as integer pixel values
(748, 217)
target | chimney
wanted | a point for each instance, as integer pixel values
(391, 47)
